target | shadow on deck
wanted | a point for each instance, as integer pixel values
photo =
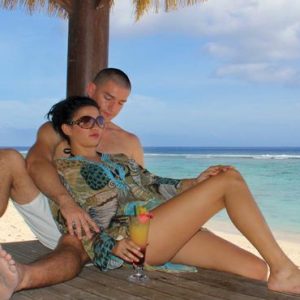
(93, 284)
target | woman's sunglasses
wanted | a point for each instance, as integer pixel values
(88, 122)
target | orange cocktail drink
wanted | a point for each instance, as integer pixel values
(138, 230)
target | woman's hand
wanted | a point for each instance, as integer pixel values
(127, 250)
(78, 220)
(212, 171)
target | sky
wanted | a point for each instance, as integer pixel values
(219, 73)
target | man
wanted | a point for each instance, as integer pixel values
(110, 89)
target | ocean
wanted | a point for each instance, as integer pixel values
(273, 175)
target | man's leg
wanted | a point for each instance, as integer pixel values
(45, 271)
(15, 183)
(8, 275)
(14, 180)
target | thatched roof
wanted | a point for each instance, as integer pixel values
(53, 7)
(142, 6)
(63, 7)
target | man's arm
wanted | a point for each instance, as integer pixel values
(40, 165)
(41, 168)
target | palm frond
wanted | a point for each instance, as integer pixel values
(53, 7)
(63, 7)
(143, 6)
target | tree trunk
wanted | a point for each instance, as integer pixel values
(88, 43)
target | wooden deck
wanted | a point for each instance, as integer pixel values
(93, 284)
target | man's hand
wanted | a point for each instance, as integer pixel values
(212, 171)
(78, 221)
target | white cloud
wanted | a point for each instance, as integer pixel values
(25, 115)
(211, 18)
(219, 50)
(237, 32)
(260, 72)
(20, 120)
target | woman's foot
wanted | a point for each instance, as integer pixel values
(9, 276)
(286, 280)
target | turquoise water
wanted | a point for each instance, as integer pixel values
(273, 175)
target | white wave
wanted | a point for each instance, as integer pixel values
(164, 154)
(221, 155)
(241, 156)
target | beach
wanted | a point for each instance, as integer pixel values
(290, 243)
(271, 173)
(14, 229)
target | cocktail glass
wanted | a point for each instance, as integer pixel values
(138, 230)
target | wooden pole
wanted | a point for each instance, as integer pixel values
(88, 43)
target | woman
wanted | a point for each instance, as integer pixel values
(108, 186)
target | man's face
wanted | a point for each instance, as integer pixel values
(110, 97)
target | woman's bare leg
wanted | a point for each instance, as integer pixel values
(182, 216)
(210, 251)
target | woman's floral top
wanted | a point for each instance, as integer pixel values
(108, 191)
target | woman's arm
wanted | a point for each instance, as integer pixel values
(209, 172)
(169, 187)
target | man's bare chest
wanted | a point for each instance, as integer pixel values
(114, 143)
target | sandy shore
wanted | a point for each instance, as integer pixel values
(13, 228)
(290, 243)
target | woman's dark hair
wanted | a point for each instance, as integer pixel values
(63, 112)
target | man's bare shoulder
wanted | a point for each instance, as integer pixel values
(120, 131)
(46, 126)
(122, 141)
(47, 134)
(46, 142)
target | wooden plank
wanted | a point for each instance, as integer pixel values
(155, 286)
(238, 284)
(93, 284)
(100, 289)
(20, 296)
(57, 292)
(119, 283)
(73, 292)
(43, 294)
(26, 252)
(193, 285)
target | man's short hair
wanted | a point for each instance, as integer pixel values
(113, 74)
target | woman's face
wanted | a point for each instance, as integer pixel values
(80, 133)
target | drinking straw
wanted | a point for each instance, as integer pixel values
(135, 210)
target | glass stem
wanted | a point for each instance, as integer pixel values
(139, 270)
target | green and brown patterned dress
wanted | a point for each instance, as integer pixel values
(108, 191)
